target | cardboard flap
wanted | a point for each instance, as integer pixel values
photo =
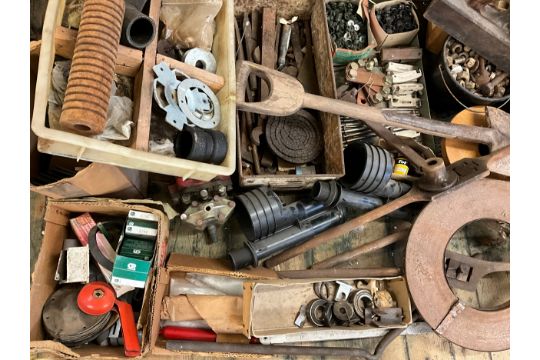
(222, 313)
(178, 308)
(94, 180)
(56, 215)
(53, 349)
(188, 263)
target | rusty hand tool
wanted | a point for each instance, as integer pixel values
(362, 250)
(288, 96)
(286, 29)
(464, 272)
(465, 171)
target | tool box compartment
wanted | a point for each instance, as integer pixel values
(271, 306)
(180, 264)
(332, 165)
(133, 62)
(56, 226)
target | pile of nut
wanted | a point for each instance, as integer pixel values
(347, 29)
(475, 73)
(396, 18)
(343, 304)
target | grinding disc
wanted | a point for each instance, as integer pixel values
(296, 138)
(65, 322)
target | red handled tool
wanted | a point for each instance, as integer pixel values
(98, 298)
(182, 333)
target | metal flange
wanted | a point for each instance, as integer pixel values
(198, 103)
(424, 265)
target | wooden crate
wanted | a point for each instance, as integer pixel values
(333, 163)
(139, 64)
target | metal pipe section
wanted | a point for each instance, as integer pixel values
(331, 193)
(294, 235)
(138, 29)
(227, 348)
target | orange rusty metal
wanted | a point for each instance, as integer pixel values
(92, 68)
(424, 265)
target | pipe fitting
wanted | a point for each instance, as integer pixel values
(138, 29)
(287, 238)
(368, 170)
(331, 193)
(204, 145)
(261, 213)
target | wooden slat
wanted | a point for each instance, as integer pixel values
(396, 350)
(214, 82)
(128, 60)
(428, 346)
(143, 104)
(500, 355)
(466, 354)
(268, 53)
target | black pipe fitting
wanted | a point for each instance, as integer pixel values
(331, 193)
(138, 29)
(287, 238)
(261, 213)
(368, 170)
(204, 145)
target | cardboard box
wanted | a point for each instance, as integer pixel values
(385, 40)
(179, 263)
(56, 220)
(271, 306)
(96, 180)
(342, 56)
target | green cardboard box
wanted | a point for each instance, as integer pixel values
(130, 272)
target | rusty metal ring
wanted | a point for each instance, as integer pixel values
(436, 224)
(316, 312)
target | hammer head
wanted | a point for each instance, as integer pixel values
(286, 94)
(498, 120)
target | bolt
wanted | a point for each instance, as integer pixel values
(231, 204)
(183, 217)
(222, 189)
(204, 194)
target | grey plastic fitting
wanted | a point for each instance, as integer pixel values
(138, 30)
(253, 252)
(261, 213)
(368, 169)
(331, 193)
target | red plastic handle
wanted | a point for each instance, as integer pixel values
(181, 333)
(132, 347)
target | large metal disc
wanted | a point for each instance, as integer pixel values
(424, 265)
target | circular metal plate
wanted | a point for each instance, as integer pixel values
(199, 103)
(431, 232)
(65, 322)
(296, 138)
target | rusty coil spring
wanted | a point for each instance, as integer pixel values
(92, 68)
